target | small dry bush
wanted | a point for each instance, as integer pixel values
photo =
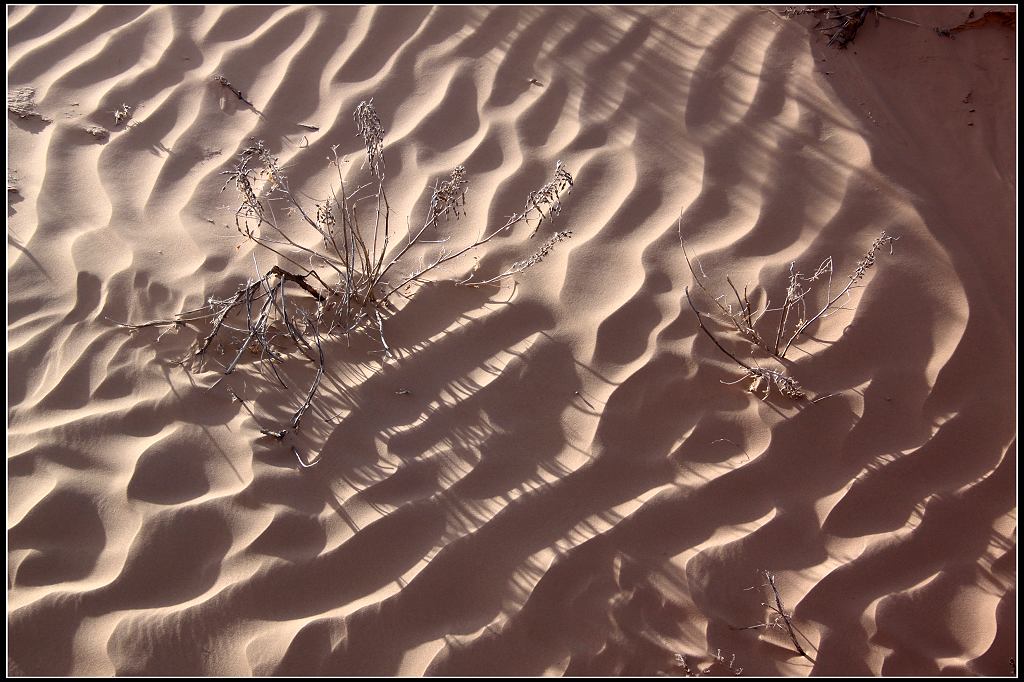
(796, 316)
(343, 284)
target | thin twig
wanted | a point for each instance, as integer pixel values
(266, 432)
(781, 614)
(863, 265)
(711, 336)
(889, 16)
(786, 617)
(238, 93)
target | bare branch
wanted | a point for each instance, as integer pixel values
(782, 618)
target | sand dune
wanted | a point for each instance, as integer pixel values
(551, 478)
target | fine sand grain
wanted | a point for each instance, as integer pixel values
(551, 477)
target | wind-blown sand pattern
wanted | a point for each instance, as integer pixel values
(568, 487)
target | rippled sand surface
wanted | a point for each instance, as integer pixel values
(551, 478)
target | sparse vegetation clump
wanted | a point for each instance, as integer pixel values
(336, 278)
(795, 316)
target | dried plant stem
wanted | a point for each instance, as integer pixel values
(863, 266)
(238, 93)
(711, 336)
(742, 321)
(889, 16)
(297, 417)
(762, 379)
(522, 265)
(534, 207)
(266, 432)
(783, 619)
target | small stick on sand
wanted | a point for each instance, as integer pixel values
(302, 462)
(238, 93)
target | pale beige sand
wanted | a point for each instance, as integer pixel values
(555, 494)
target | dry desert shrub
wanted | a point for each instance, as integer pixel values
(342, 284)
(796, 315)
